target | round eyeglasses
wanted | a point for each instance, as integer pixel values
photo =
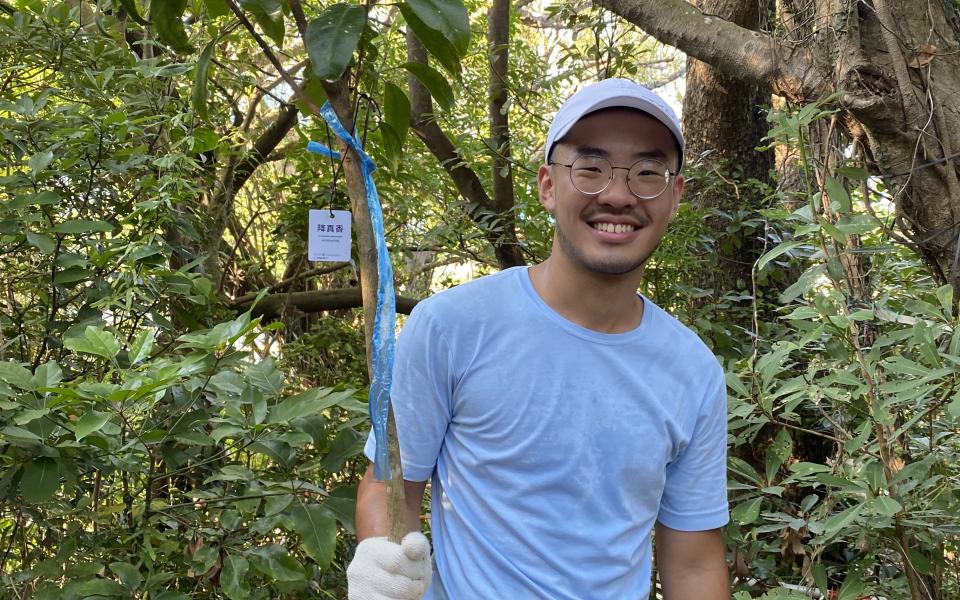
(646, 178)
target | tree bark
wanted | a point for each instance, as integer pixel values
(273, 305)
(908, 122)
(498, 56)
(724, 122)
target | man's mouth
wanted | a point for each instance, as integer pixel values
(613, 227)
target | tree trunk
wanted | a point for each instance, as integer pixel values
(895, 71)
(724, 122)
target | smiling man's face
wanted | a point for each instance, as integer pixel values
(613, 232)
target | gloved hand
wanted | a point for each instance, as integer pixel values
(382, 570)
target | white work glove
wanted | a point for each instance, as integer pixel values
(382, 570)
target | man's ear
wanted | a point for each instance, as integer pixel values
(545, 188)
(678, 184)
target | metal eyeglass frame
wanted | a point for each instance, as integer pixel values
(666, 179)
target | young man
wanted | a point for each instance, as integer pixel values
(562, 417)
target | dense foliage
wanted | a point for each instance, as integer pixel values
(162, 437)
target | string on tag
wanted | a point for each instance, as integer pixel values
(381, 345)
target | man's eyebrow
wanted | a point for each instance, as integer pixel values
(594, 151)
(657, 153)
(591, 150)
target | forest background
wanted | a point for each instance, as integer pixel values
(183, 393)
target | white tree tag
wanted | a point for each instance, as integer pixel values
(328, 236)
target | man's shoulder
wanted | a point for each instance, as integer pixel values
(477, 296)
(683, 341)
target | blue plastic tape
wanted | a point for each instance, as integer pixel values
(386, 315)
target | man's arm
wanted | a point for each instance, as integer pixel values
(372, 505)
(692, 564)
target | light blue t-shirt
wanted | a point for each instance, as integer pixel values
(554, 449)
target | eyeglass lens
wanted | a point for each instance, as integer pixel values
(645, 178)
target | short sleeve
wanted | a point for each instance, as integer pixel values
(695, 492)
(420, 394)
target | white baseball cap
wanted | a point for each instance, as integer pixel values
(610, 93)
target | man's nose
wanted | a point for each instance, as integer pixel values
(618, 193)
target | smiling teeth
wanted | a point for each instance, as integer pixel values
(613, 227)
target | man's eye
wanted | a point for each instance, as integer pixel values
(589, 170)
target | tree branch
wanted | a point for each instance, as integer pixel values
(264, 145)
(274, 305)
(498, 55)
(733, 50)
(479, 205)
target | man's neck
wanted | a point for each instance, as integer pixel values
(604, 303)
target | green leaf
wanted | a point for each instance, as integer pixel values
(885, 505)
(98, 589)
(274, 561)
(858, 173)
(217, 8)
(233, 577)
(269, 17)
(71, 275)
(857, 224)
(47, 375)
(344, 509)
(945, 297)
(436, 44)
(778, 453)
(220, 334)
(313, 89)
(233, 473)
(449, 17)
(40, 161)
(89, 423)
(16, 375)
(141, 346)
(83, 226)
(204, 140)
(332, 38)
(307, 403)
(41, 478)
(953, 409)
(167, 17)
(128, 574)
(41, 242)
(48, 197)
(851, 588)
(265, 376)
(392, 146)
(819, 571)
(435, 83)
(808, 468)
(346, 445)
(804, 283)
(396, 111)
(734, 383)
(778, 251)
(747, 512)
(276, 504)
(744, 469)
(198, 96)
(835, 523)
(318, 528)
(839, 198)
(131, 7)
(97, 341)
(14, 434)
